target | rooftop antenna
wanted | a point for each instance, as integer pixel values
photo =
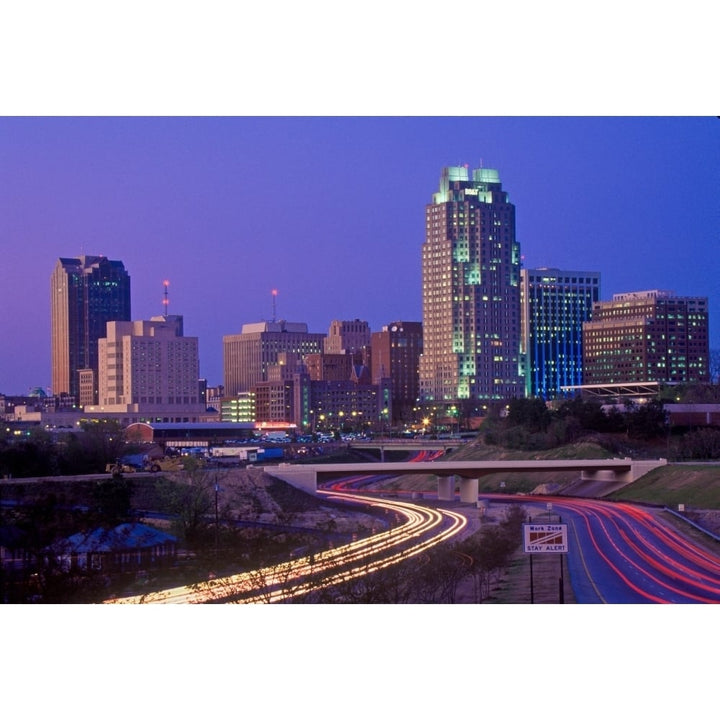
(274, 296)
(166, 302)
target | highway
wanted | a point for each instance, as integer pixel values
(624, 554)
(618, 553)
(421, 529)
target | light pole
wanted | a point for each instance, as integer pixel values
(217, 520)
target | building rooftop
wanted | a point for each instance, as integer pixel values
(133, 536)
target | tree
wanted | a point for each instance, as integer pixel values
(647, 421)
(532, 414)
(590, 415)
(699, 444)
(32, 456)
(99, 443)
(714, 366)
(191, 501)
(113, 499)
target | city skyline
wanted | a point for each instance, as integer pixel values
(329, 212)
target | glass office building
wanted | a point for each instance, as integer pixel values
(86, 293)
(555, 305)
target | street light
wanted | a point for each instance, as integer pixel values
(217, 519)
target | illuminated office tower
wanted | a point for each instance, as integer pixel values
(247, 356)
(86, 293)
(650, 336)
(555, 305)
(470, 292)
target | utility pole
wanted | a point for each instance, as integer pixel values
(217, 520)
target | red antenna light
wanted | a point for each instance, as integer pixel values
(166, 302)
(274, 295)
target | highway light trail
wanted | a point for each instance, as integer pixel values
(423, 528)
(628, 555)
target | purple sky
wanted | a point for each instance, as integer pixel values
(330, 211)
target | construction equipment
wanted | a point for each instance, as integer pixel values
(118, 468)
(168, 464)
(144, 463)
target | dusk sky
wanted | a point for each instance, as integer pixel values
(330, 212)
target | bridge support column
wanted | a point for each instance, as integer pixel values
(626, 477)
(604, 476)
(469, 490)
(446, 488)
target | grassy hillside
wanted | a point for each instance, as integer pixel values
(697, 486)
(479, 451)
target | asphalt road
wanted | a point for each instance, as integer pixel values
(422, 527)
(624, 554)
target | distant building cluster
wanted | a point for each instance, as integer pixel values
(491, 331)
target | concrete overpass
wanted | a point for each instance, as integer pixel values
(306, 477)
(407, 444)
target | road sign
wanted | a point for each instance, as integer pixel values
(545, 538)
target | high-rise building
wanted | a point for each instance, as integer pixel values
(649, 336)
(349, 337)
(470, 291)
(555, 304)
(396, 352)
(86, 293)
(148, 367)
(247, 357)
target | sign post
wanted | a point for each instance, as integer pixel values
(545, 538)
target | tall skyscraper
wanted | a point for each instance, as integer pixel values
(650, 336)
(86, 293)
(555, 304)
(470, 291)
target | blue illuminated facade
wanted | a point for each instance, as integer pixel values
(555, 305)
